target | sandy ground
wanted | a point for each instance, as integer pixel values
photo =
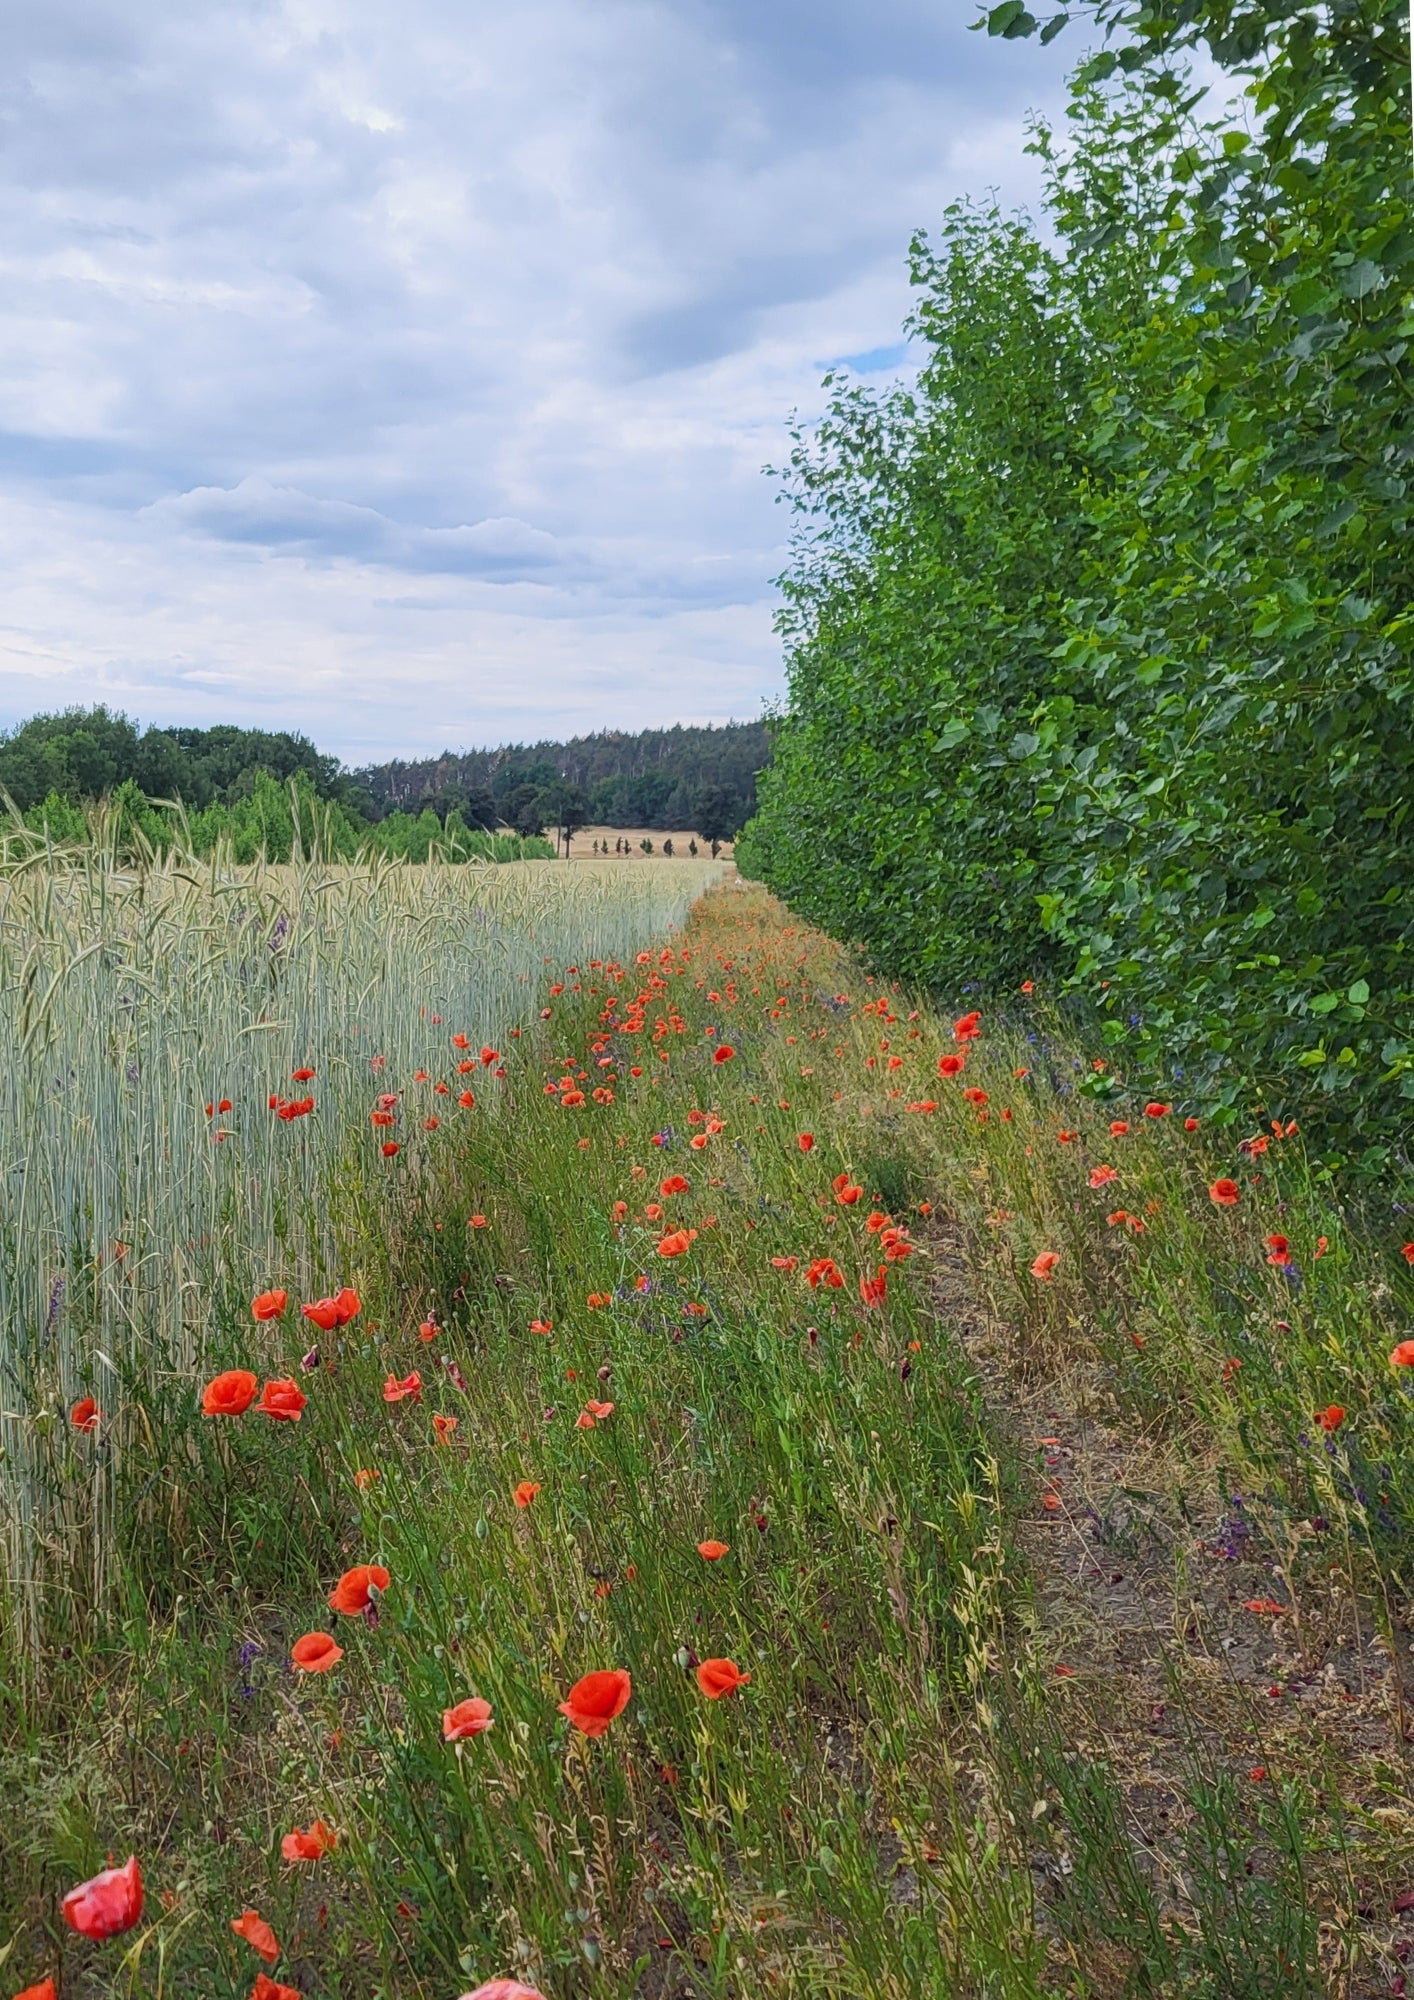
(582, 848)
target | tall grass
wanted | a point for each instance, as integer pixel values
(134, 1225)
(907, 1799)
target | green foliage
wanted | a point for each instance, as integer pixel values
(86, 754)
(1101, 639)
(655, 778)
(268, 819)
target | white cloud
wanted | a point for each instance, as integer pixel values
(406, 374)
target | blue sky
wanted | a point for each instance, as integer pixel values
(404, 374)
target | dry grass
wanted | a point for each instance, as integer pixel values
(582, 846)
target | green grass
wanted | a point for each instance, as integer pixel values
(868, 1815)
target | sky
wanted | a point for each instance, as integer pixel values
(404, 375)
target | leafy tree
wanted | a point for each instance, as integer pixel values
(566, 805)
(1100, 640)
(524, 810)
(715, 815)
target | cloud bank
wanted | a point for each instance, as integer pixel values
(405, 375)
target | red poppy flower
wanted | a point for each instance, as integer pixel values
(1331, 1418)
(266, 1988)
(1279, 1248)
(968, 1028)
(1045, 1264)
(805, 1141)
(1157, 1110)
(1190, 1124)
(347, 1305)
(1225, 1193)
(723, 1053)
(309, 1843)
(324, 1313)
(1118, 1127)
(230, 1394)
(785, 1263)
(824, 1271)
(85, 1414)
(477, 1222)
(269, 1305)
(108, 1904)
(1407, 1253)
(46, 1990)
(594, 1701)
(542, 1326)
(975, 1096)
(394, 1391)
(874, 1290)
(489, 1056)
(526, 1492)
(951, 1065)
(1265, 1607)
(282, 1400)
(846, 1191)
(676, 1243)
(674, 1184)
(251, 1926)
(469, 1718)
(444, 1426)
(713, 1551)
(1102, 1176)
(1403, 1355)
(353, 1593)
(316, 1653)
(719, 1677)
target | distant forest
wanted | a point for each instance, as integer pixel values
(225, 779)
(655, 778)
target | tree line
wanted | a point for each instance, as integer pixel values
(1099, 635)
(254, 788)
(672, 780)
